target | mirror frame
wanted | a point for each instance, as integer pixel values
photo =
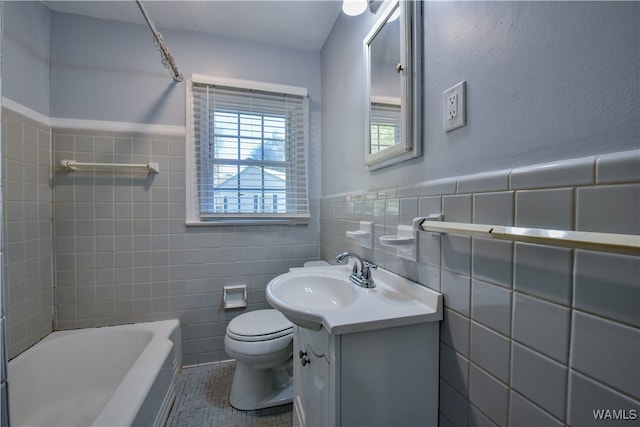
(410, 145)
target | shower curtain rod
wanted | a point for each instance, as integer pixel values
(167, 59)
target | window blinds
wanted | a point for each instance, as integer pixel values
(249, 154)
(386, 126)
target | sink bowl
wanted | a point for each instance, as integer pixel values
(315, 292)
(316, 297)
(301, 293)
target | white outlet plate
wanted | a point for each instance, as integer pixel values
(454, 107)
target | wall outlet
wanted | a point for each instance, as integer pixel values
(453, 107)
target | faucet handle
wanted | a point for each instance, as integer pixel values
(366, 270)
(371, 265)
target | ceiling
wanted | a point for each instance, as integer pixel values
(301, 24)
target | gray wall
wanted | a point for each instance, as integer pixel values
(108, 70)
(117, 69)
(545, 81)
(26, 51)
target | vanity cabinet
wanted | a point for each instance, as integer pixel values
(378, 377)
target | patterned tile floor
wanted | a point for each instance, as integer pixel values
(202, 399)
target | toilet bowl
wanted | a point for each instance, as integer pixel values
(261, 341)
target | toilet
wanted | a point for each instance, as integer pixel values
(261, 341)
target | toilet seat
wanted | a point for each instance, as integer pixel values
(259, 325)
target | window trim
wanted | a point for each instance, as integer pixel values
(193, 217)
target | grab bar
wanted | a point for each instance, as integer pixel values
(628, 244)
(72, 165)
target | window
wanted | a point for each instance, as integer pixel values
(246, 152)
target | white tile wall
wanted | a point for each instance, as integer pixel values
(608, 285)
(543, 326)
(540, 379)
(525, 413)
(27, 233)
(492, 181)
(493, 208)
(545, 208)
(609, 209)
(456, 289)
(453, 406)
(491, 306)
(490, 351)
(543, 271)
(588, 395)
(488, 394)
(455, 332)
(592, 342)
(618, 167)
(456, 253)
(492, 261)
(454, 369)
(532, 335)
(457, 208)
(557, 174)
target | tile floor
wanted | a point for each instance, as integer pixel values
(202, 399)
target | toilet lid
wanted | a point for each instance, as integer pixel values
(259, 325)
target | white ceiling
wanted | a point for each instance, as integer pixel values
(302, 24)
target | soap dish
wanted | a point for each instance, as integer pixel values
(364, 235)
(404, 242)
(396, 240)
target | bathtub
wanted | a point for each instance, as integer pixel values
(111, 376)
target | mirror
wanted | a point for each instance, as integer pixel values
(393, 60)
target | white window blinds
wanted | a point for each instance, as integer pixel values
(386, 123)
(248, 154)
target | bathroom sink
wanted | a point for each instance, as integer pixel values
(316, 297)
(314, 291)
(302, 292)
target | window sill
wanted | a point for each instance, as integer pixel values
(253, 221)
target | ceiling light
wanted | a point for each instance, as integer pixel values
(354, 7)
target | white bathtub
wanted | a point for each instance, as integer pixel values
(112, 376)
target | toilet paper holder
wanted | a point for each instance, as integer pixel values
(234, 296)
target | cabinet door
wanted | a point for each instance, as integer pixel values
(299, 347)
(310, 381)
(316, 388)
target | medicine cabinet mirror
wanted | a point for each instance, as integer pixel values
(393, 59)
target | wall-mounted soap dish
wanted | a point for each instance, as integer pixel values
(404, 242)
(364, 235)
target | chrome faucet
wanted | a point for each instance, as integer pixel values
(361, 274)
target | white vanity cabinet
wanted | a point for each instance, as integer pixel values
(378, 377)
